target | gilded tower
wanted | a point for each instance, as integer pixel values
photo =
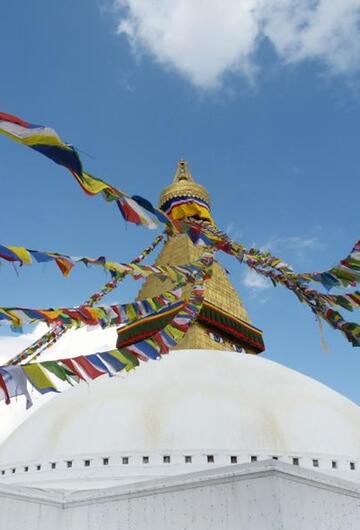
(223, 322)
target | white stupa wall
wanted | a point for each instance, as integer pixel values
(267, 496)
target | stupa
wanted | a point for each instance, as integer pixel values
(211, 437)
(223, 323)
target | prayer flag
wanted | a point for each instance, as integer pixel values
(16, 383)
(38, 378)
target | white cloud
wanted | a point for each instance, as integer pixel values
(298, 243)
(255, 281)
(74, 342)
(316, 29)
(205, 39)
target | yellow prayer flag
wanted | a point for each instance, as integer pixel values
(37, 376)
(21, 253)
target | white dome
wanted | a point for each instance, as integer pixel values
(192, 401)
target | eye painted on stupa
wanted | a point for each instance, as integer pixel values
(215, 337)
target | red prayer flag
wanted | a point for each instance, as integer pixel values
(73, 368)
(88, 367)
(4, 389)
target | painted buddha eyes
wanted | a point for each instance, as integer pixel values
(217, 338)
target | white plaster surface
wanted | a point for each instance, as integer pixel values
(261, 496)
(193, 400)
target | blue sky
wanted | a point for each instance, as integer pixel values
(268, 122)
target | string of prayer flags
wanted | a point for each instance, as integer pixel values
(19, 380)
(265, 259)
(16, 380)
(158, 341)
(344, 274)
(189, 273)
(201, 232)
(204, 233)
(104, 316)
(318, 302)
(112, 284)
(350, 329)
(53, 335)
(66, 263)
(38, 346)
(47, 142)
(349, 301)
(279, 272)
(26, 256)
(165, 329)
(146, 326)
(176, 273)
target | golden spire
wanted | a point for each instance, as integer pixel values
(183, 185)
(223, 322)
